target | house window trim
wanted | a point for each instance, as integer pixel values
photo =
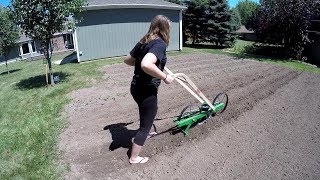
(68, 40)
(30, 48)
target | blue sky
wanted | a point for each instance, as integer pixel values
(4, 2)
(232, 3)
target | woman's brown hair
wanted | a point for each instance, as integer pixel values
(160, 26)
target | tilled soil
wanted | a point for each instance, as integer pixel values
(270, 129)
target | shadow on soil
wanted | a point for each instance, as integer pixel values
(40, 81)
(121, 135)
(10, 71)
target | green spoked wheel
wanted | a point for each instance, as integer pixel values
(188, 111)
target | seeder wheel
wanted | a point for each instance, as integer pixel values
(188, 111)
(220, 98)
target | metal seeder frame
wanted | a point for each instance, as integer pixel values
(189, 116)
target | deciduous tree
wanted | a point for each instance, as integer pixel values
(9, 33)
(235, 19)
(286, 22)
(40, 20)
(247, 9)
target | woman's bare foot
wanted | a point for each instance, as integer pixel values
(138, 160)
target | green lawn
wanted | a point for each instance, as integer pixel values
(242, 48)
(29, 116)
(30, 120)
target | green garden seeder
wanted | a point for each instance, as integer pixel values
(191, 114)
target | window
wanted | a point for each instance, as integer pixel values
(65, 38)
(25, 48)
(33, 46)
(68, 41)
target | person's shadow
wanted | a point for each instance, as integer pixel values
(121, 135)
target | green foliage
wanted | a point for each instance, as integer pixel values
(247, 10)
(219, 25)
(286, 22)
(9, 32)
(235, 19)
(209, 21)
(242, 47)
(262, 52)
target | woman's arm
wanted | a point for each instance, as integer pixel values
(129, 60)
(148, 65)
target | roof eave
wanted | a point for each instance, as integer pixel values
(134, 6)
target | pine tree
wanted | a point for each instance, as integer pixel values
(219, 23)
(194, 20)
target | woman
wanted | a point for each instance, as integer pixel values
(149, 59)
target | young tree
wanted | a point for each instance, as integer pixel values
(219, 23)
(9, 33)
(247, 9)
(286, 22)
(41, 19)
(235, 19)
(194, 20)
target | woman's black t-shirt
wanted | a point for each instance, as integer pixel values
(156, 47)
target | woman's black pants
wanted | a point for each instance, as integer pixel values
(146, 98)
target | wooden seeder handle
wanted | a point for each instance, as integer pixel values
(181, 78)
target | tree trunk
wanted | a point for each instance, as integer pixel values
(48, 57)
(6, 58)
(194, 36)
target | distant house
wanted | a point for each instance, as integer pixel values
(28, 48)
(112, 27)
(246, 34)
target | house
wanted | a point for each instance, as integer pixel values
(108, 28)
(245, 34)
(30, 49)
(112, 27)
